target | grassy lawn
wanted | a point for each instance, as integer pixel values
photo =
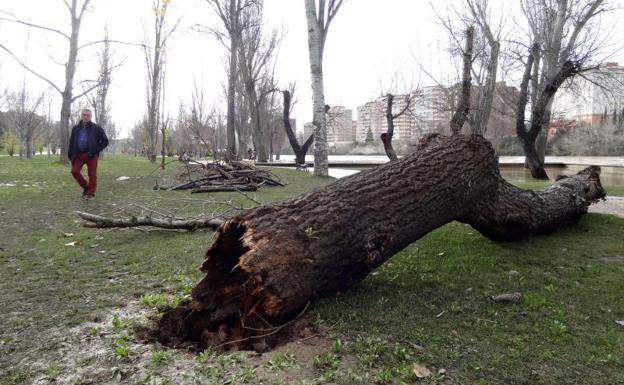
(430, 304)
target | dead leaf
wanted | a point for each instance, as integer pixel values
(421, 371)
(516, 297)
(68, 235)
(621, 323)
(441, 254)
(440, 314)
(73, 243)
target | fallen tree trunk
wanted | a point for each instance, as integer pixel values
(97, 221)
(269, 262)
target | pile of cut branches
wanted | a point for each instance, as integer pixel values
(212, 177)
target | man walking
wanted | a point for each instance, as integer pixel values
(85, 143)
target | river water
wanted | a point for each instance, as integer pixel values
(511, 166)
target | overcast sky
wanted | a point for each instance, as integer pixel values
(368, 42)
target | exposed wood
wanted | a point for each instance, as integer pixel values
(269, 262)
(97, 221)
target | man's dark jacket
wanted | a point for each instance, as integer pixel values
(97, 140)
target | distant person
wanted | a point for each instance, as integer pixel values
(249, 153)
(85, 143)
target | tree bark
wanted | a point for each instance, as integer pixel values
(231, 101)
(316, 39)
(300, 151)
(68, 92)
(463, 108)
(268, 263)
(98, 221)
(386, 137)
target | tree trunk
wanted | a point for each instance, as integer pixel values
(482, 115)
(268, 263)
(386, 137)
(300, 151)
(463, 107)
(68, 92)
(315, 51)
(231, 95)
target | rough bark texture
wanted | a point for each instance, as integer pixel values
(269, 262)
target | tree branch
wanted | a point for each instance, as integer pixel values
(97, 221)
(27, 68)
(18, 21)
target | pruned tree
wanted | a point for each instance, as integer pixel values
(486, 78)
(489, 102)
(76, 10)
(318, 21)
(565, 37)
(299, 150)
(404, 104)
(463, 106)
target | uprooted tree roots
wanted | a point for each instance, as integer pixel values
(268, 263)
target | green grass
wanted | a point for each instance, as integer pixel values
(538, 185)
(46, 285)
(430, 304)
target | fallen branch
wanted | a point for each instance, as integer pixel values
(225, 187)
(97, 221)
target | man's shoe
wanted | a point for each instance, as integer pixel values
(88, 197)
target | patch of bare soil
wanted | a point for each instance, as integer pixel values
(115, 351)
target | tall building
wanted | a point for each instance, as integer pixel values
(423, 116)
(339, 125)
(432, 110)
(586, 98)
(308, 129)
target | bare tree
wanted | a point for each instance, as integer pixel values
(406, 103)
(567, 42)
(155, 53)
(299, 150)
(463, 108)
(25, 120)
(257, 53)
(230, 11)
(479, 12)
(76, 10)
(98, 98)
(318, 19)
